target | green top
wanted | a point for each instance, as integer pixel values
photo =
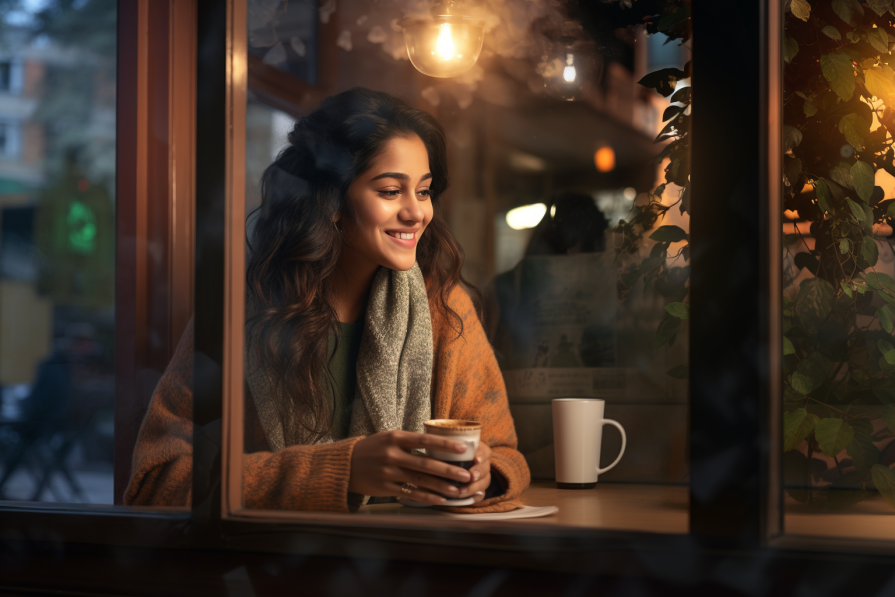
(343, 375)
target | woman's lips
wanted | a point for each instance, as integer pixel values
(405, 239)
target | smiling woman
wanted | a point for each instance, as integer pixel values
(358, 329)
(388, 213)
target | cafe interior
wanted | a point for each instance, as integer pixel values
(134, 139)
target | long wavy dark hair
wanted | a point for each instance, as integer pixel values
(294, 247)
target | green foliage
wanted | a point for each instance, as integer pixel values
(839, 71)
(838, 349)
(830, 32)
(810, 373)
(801, 9)
(861, 449)
(839, 352)
(854, 127)
(679, 310)
(880, 82)
(788, 347)
(797, 425)
(862, 175)
(790, 48)
(884, 479)
(833, 435)
(813, 303)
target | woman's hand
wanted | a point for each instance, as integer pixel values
(381, 464)
(481, 474)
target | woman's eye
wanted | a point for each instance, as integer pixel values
(390, 193)
(425, 193)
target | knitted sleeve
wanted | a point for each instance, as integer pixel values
(297, 478)
(467, 384)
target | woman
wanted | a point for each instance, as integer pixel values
(358, 331)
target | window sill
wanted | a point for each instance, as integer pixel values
(608, 507)
(871, 519)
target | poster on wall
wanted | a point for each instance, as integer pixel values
(557, 330)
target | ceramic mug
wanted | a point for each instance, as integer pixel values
(577, 437)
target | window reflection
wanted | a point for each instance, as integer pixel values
(57, 233)
(554, 203)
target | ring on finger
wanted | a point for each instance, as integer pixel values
(405, 489)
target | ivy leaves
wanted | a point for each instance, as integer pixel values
(848, 10)
(797, 425)
(884, 479)
(854, 128)
(663, 81)
(863, 177)
(833, 435)
(810, 373)
(658, 267)
(801, 9)
(880, 82)
(838, 325)
(839, 71)
(814, 303)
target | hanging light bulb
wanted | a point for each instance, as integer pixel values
(444, 47)
(570, 65)
(445, 44)
(568, 73)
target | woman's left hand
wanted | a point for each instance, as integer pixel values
(481, 474)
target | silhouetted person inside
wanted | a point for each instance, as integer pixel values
(572, 225)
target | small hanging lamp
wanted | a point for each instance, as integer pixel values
(446, 43)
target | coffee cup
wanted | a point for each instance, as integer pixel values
(463, 432)
(577, 437)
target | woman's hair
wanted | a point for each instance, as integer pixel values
(294, 247)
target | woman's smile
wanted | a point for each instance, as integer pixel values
(404, 237)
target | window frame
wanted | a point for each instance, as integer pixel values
(273, 526)
(734, 515)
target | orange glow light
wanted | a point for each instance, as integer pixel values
(604, 159)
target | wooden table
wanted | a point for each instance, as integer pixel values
(609, 506)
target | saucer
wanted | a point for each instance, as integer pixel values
(459, 502)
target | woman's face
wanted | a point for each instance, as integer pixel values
(391, 206)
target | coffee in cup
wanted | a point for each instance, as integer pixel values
(461, 431)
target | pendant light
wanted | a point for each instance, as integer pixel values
(445, 43)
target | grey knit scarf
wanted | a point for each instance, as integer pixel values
(394, 366)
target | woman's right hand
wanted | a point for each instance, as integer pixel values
(381, 464)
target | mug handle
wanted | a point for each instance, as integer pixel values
(621, 452)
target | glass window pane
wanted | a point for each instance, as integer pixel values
(575, 260)
(838, 269)
(57, 251)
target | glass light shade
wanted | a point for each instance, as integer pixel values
(444, 46)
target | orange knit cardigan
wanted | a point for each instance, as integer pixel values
(466, 384)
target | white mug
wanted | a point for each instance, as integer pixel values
(577, 436)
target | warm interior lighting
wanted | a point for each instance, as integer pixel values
(526, 216)
(790, 214)
(446, 44)
(568, 73)
(604, 159)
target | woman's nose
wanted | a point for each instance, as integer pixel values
(411, 210)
